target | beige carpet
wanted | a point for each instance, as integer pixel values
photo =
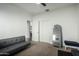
(39, 49)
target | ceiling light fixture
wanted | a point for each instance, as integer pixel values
(44, 4)
(47, 10)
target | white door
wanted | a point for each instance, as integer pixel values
(35, 30)
(42, 31)
(45, 31)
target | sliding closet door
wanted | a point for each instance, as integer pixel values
(45, 31)
(42, 31)
(35, 30)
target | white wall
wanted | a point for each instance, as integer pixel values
(78, 20)
(13, 21)
(66, 17)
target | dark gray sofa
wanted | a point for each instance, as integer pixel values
(12, 46)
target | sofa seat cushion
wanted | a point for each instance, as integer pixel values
(14, 48)
(72, 43)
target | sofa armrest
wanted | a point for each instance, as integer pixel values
(4, 54)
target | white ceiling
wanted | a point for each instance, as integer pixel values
(34, 8)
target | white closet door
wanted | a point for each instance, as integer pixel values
(45, 31)
(35, 30)
(42, 31)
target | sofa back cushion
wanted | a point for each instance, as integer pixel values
(10, 41)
